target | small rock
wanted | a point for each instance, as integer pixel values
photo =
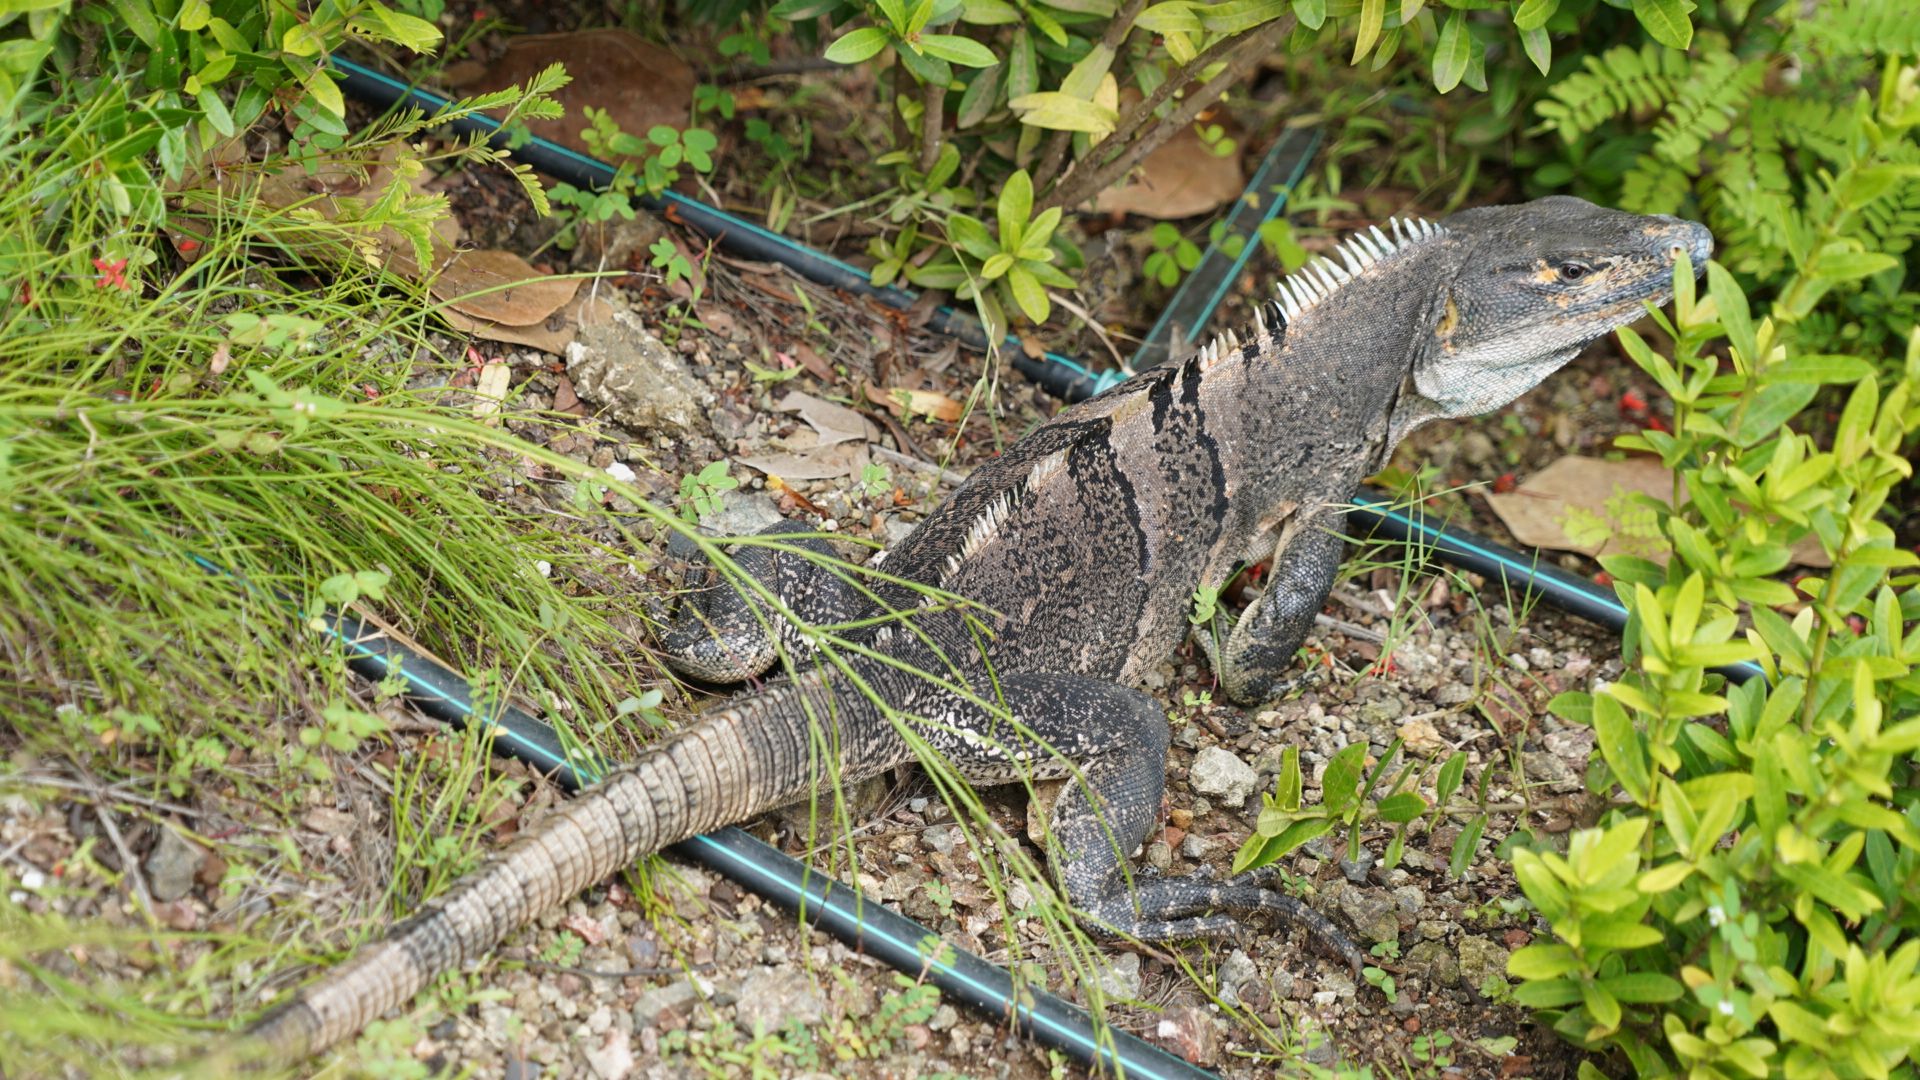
(1040, 808)
(613, 1058)
(1355, 870)
(1194, 847)
(1411, 898)
(942, 838)
(944, 1017)
(1422, 737)
(771, 998)
(1435, 962)
(1220, 773)
(1191, 1032)
(1476, 447)
(1479, 959)
(171, 866)
(674, 998)
(1375, 917)
(1160, 855)
(741, 513)
(1236, 971)
(1120, 977)
(1282, 984)
(624, 369)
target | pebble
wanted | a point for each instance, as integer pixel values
(1220, 773)
(1479, 960)
(770, 998)
(1120, 977)
(676, 998)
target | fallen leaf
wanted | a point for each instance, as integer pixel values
(1181, 179)
(834, 423)
(1578, 504)
(500, 287)
(810, 358)
(930, 403)
(552, 335)
(824, 463)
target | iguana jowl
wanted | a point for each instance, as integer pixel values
(1083, 544)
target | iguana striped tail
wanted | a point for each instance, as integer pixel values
(738, 762)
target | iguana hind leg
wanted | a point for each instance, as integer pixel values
(1253, 662)
(724, 633)
(1118, 738)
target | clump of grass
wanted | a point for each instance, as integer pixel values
(280, 419)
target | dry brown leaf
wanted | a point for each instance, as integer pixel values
(552, 335)
(638, 83)
(500, 287)
(808, 357)
(834, 423)
(930, 403)
(1578, 489)
(1181, 179)
(822, 463)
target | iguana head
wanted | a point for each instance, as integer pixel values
(1525, 287)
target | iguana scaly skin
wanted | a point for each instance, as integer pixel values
(1083, 546)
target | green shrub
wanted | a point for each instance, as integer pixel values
(1748, 905)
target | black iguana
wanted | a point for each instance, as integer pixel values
(1084, 543)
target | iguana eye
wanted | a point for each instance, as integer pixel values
(1574, 270)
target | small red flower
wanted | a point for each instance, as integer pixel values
(1504, 484)
(1603, 578)
(112, 272)
(1657, 424)
(188, 247)
(1632, 402)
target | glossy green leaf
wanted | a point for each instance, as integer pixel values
(1451, 53)
(1666, 21)
(859, 45)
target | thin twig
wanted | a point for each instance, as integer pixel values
(1099, 332)
(98, 791)
(933, 116)
(624, 973)
(1055, 154)
(1079, 185)
(135, 880)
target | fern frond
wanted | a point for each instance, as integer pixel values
(1715, 91)
(1619, 82)
(1866, 27)
(1654, 186)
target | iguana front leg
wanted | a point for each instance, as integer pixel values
(1253, 662)
(725, 633)
(1117, 737)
